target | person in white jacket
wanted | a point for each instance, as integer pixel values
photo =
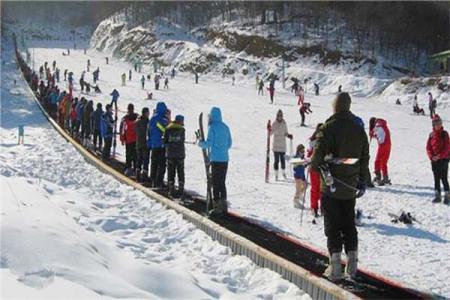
(280, 133)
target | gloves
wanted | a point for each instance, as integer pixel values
(290, 136)
(361, 187)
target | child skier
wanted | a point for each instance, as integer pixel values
(174, 137)
(300, 179)
(314, 176)
(380, 130)
(304, 109)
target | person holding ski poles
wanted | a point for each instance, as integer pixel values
(341, 136)
(218, 142)
(380, 131)
(438, 150)
(280, 133)
(299, 176)
(314, 177)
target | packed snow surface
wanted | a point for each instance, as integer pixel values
(69, 231)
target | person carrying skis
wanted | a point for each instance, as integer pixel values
(261, 87)
(314, 176)
(380, 131)
(107, 126)
(304, 109)
(115, 97)
(142, 150)
(218, 142)
(157, 128)
(299, 176)
(271, 90)
(341, 136)
(128, 138)
(143, 82)
(438, 150)
(124, 79)
(174, 138)
(280, 133)
(96, 117)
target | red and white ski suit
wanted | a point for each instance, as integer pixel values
(382, 134)
(314, 178)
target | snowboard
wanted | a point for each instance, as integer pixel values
(201, 136)
(269, 129)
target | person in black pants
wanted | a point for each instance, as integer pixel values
(174, 138)
(341, 136)
(107, 131)
(157, 128)
(218, 142)
(96, 117)
(142, 151)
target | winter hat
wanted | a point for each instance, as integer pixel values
(301, 148)
(130, 107)
(342, 102)
(436, 120)
(145, 110)
(179, 118)
(279, 113)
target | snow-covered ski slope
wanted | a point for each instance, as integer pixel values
(416, 255)
(69, 231)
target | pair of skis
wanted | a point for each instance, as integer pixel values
(201, 137)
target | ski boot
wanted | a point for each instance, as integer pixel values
(315, 212)
(358, 217)
(446, 197)
(352, 264)
(284, 175)
(334, 269)
(370, 185)
(385, 181)
(171, 189)
(377, 178)
(276, 175)
(437, 197)
(181, 191)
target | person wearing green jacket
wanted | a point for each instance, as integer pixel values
(341, 136)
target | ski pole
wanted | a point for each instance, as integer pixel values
(304, 197)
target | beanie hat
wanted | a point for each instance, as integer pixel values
(342, 102)
(300, 148)
(130, 107)
(145, 110)
(179, 118)
(436, 119)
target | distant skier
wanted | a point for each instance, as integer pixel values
(96, 117)
(341, 136)
(82, 83)
(57, 74)
(54, 65)
(257, 83)
(271, 90)
(416, 109)
(304, 109)
(129, 75)
(232, 80)
(174, 138)
(95, 75)
(218, 142)
(128, 138)
(380, 131)
(135, 67)
(157, 127)
(65, 74)
(299, 176)
(301, 96)
(196, 77)
(166, 83)
(88, 64)
(438, 150)
(316, 89)
(143, 82)
(142, 150)
(295, 86)
(107, 60)
(432, 103)
(173, 73)
(261, 87)
(280, 133)
(156, 80)
(340, 89)
(124, 79)
(115, 97)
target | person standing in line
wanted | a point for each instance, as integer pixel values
(218, 142)
(314, 176)
(142, 150)
(107, 126)
(280, 133)
(438, 150)
(341, 136)
(174, 138)
(96, 118)
(128, 138)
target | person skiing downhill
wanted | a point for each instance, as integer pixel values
(128, 138)
(155, 142)
(314, 176)
(299, 176)
(438, 150)
(174, 138)
(380, 131)
(218, 142)
(280, 133)
(341, 136)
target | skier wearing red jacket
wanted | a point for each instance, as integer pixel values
(380, 131)
(128, 137)
(438, 150)
(314, 176)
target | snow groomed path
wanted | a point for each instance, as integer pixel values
(295, 261)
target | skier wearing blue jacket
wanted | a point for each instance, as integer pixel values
(115, 96)
(218, 142)
(157, 128)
